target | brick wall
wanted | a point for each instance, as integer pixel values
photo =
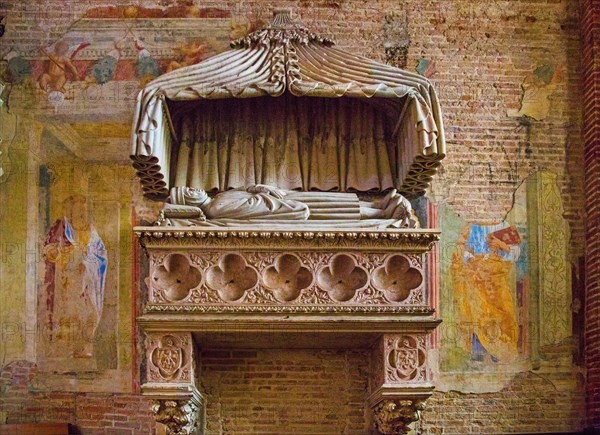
(530, 403)
(305, 392)
(483, 51)
(89, 413)
(323, 392)
(590, 28)
(298, 392)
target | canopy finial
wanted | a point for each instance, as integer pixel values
(281, 30)
(282, 17)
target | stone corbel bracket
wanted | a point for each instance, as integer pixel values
(170, 379)
(181, 409)
(394, 416)
(400, 382)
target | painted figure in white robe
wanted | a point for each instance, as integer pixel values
(73, 291)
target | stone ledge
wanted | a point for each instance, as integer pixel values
(257, 323)
(413, 241)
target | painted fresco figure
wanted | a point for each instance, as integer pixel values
(73, 289)
(19, 68)
(147, 66)
(55, 77)
(484, 278)
(190, 54)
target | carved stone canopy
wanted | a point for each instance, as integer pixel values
(342, 122)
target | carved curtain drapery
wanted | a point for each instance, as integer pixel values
(293, 143)
(244, 110)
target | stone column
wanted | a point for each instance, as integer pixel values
(400, 381)
(171, 381)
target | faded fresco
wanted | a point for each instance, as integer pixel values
(489, 285)
(111, 52)
(506, 289)
(537, 89)
(69, 196)
(87, 195)
(485, 300)
(72, 296)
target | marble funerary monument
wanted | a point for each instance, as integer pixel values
(286, 167)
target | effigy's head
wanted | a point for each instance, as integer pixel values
(188, 196)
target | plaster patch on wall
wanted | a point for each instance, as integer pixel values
(538, 87)
(396, 39)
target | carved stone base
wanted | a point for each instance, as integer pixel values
(179, 416)
(224, 285)
(393, 417)
(181, 410)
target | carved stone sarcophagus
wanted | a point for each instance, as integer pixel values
(370, 286)
(286, 167)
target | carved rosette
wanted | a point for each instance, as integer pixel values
(393, 416)
(180, 417)
(169, 358)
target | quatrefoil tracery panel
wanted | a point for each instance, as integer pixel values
(232, 277)
(286, 278)
(175, 277)
(397, 278)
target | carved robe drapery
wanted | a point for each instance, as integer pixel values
(294, 206)
(293, 143)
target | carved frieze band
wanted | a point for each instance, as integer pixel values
(286, 309)
(169, 358)
(282, 279)
(396, 240)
